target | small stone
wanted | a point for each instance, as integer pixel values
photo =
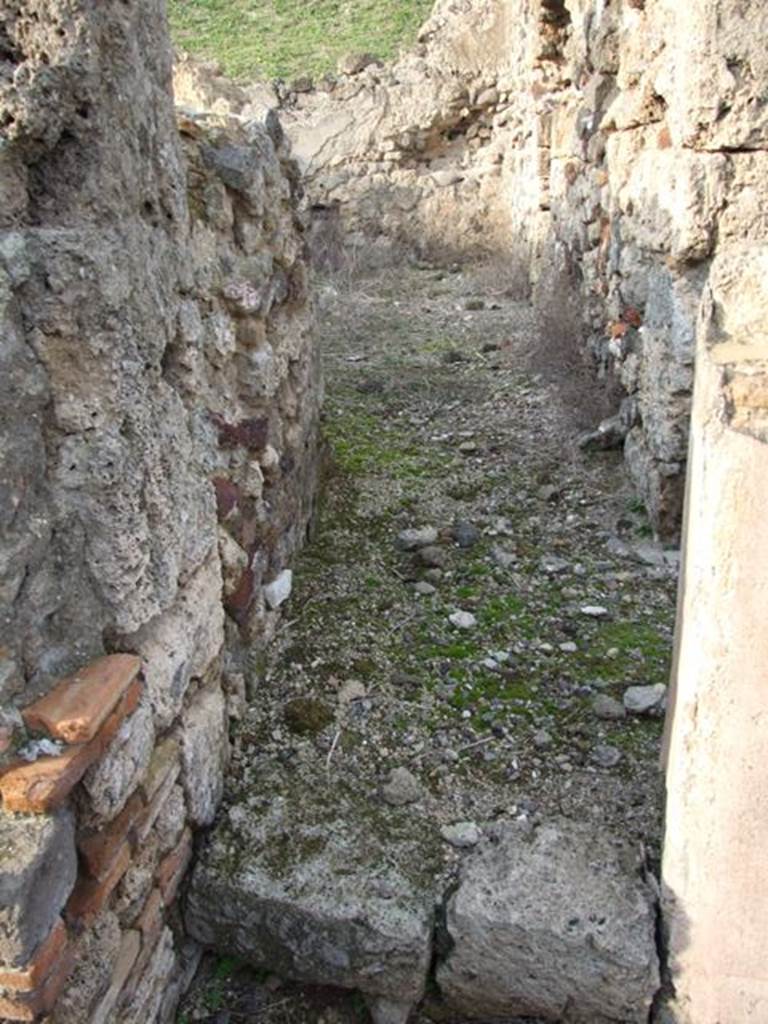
(352, 690)
(354, 63)
(542, 739)
(468, 447)
(607, 708)
(463, 620)
(465, 534)
(502, 558)
(411, 540)
(644, 700)
(445, 178)
(279, 590)
(401, 788)
(569, 647)
(609, 434)
(433, 575)
(554, 566)
(31, 751)
(488, 97)
(463, 835)
(605, 756)
(594, 611)
(473, 305)
(549, 493)
(433, 557)
(269, 459)
(425, 589)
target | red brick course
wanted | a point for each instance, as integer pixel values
(99, 850)
(90, 894)
(86, 711)
(76, 709)
(28, 1006)
(150, 922)
(40, 966)
(45, 784)
(171, 869)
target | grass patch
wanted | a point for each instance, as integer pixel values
(288, 38)
(366, 445)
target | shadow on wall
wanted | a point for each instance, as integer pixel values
(665, 1009)
(562, 355)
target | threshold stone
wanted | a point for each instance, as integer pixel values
(555, 923)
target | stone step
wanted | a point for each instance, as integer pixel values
(324, 886)
(555, 922)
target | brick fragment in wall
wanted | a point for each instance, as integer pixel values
(45, 784)
(172, 868)
(180, 643)
(188, 955)
(130, 948)
(44, 959)
(90, 895)
(38, 868)
(234, 561)
(150, 923)
(158, 802)
(149, 920)
(204, 754)
(137, 882)
(99, 848)
(30, 1006)
(228, 497)
(75, 710)
(148, 995)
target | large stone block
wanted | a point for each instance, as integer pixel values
(322, 888)
(111, 780)
(38, 867)
(204, 754)
(181, 643)
(551, 923)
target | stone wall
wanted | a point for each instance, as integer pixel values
(605, 149)
(642, 130)
(158, 410)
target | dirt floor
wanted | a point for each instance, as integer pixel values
(440, 414)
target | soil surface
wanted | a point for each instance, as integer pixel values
(480, 662)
